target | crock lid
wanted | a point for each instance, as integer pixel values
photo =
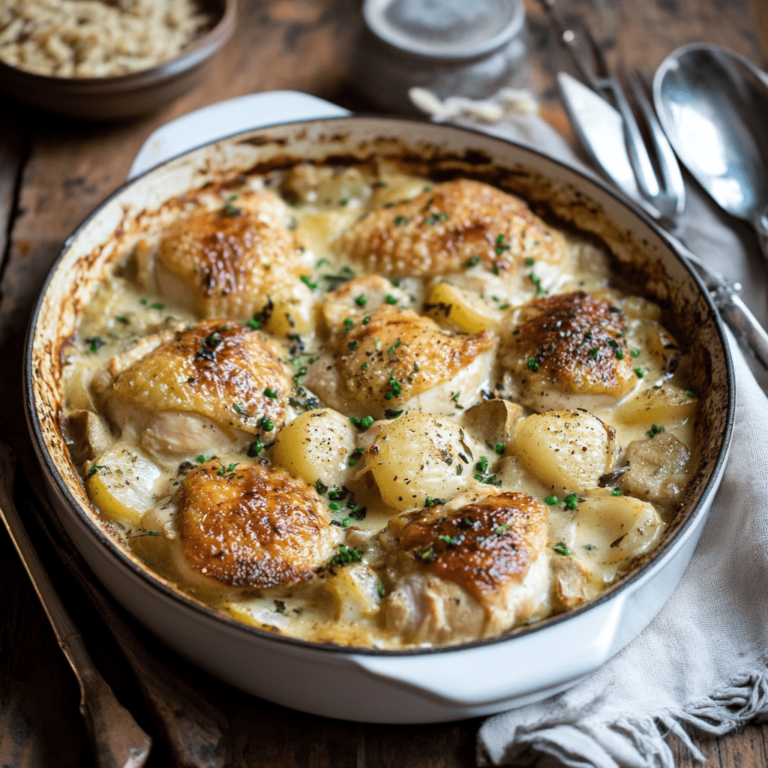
(444, 29)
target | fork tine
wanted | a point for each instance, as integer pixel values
(672, 178)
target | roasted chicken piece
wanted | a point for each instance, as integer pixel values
(228, 262)
(251, 526)
(449, 225)
(396, 359)
(466, 574)
(567, 350)
(211, 386)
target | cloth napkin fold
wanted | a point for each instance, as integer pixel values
(702, 663)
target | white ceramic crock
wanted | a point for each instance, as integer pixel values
(425, 685)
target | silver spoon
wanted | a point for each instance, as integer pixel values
(713, 105)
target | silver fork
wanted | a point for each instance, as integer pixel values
(662, 194)
(659, 180)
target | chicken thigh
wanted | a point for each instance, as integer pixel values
(214, 385)
(468, 573)
(565, 350)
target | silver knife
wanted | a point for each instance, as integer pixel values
(599, 128)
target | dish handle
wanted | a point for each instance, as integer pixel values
(528, 668)
(242, 113)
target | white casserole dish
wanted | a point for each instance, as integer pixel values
(425, 685)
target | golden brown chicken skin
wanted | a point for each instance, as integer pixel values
(480, 546)
(227, 262)
(568, 345)
(216, 369)
(468, 573)
(386, 359)
(452, 224)
(252, 526)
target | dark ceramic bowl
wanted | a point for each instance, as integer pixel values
(123, 96)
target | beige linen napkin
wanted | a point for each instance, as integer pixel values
(702, 663)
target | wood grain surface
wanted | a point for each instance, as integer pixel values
(53, 172)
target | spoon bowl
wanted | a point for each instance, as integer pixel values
(713, 105)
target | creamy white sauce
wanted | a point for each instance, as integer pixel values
(345, 608)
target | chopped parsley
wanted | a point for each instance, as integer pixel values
(380, 588)
(267, 424)
(571, 501)
(472, 261)
(430, 502)
(532, 364)
(270, 393)
(347, 555)
(500, 448)
(94, 468)
(239, 409)
(529, 262)
(255, 448)
(391, 413)
(640, 373)
(391, 299)
(654, 430)
(561, 549)
(537, 282)
(361, 301)
(449, 540)
(353, 345)
(391, 350)
(305, 279)
(400, 220)
(122, 319)
(593, 353)
(616, 492)
(635, 353)
(229, 208)
(551, 500)
(94, 343)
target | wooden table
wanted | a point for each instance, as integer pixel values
(53, 172)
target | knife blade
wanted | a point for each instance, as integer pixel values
(599, 128)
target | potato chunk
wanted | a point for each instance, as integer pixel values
(451, 306)
(415, 457)
(568, 450)
(316, 446)
(121, 485)
(610, 531)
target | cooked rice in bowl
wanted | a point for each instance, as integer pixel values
(96, 38)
